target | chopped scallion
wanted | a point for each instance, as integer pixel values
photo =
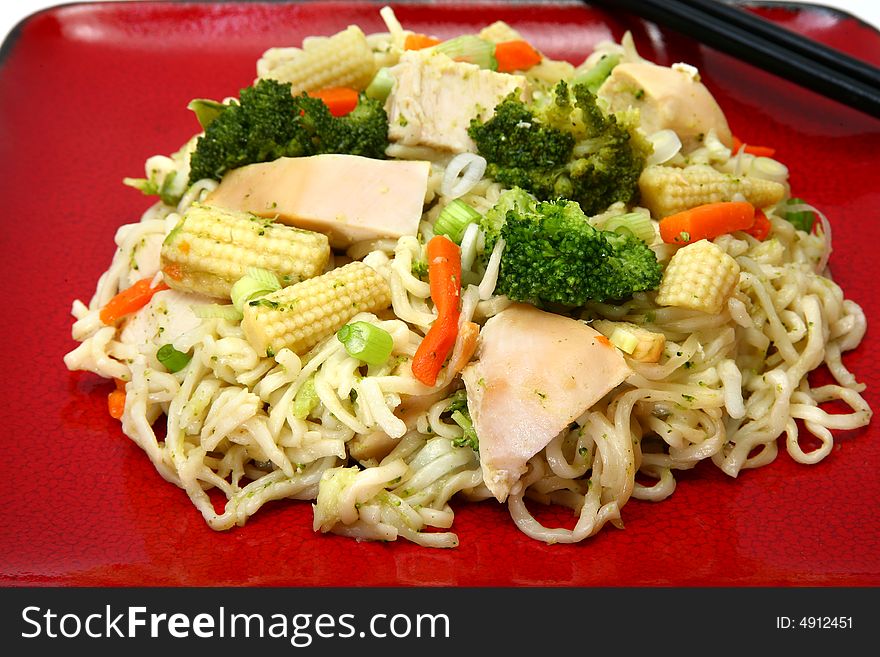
(366, 342)
(598, 74)
(171, 358)
(470, 48)
(380, 87)
(255, 284)
(206, 110)
(305, 400)
(454, 218)
(624, 340)
(800, 219)
(637, 223)
(216, 311)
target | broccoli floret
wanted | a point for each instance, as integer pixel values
(566, 147)
(553, 255)
(514, 137)
(363, 131)
(460, 415)
(268, 122)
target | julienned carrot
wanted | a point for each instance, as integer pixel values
(444, 278)
(130, 300)
(419, 41)
(116, 400)
(444, 274)
(707, 222)
(516, 55)
(339, 100)
(757, 151)
(761, 228)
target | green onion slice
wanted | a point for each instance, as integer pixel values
(216, 311)
(454, 218)
(305, 400)
(171, 358)
(637, 223)
(255, 284)
(800, 219)
(598, 74)
(624, 340)
(366, 342)
(380, 87)
(206, 110)
(470, 48)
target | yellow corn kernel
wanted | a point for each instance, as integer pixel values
(211, 248)
(637, 342)
(699, 276)
(342, 60)
(300, 316)
(666, 190)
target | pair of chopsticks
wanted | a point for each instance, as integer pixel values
(748, 37)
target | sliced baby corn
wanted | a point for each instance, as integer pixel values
(342, 60)
(300, 316)
(699, 276)
(666, 190)
(211, 248)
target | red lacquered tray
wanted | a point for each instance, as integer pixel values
(88, 92)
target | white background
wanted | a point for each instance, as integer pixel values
(12, 11)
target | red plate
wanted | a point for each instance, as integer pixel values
(88, 92)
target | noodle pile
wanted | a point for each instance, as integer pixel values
(727, 386)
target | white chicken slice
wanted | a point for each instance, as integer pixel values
(346, 197)
(167, 319)
(434, 99)
(667, 98)
(537, 372)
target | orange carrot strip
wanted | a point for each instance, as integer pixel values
(434, 349)
(444, 278)
(130, 300)
(761, 228)
(419, 41)
(707, 222)
(116, 400)
(757, 151)
(516, 55)
(444, 274)
(339, 100)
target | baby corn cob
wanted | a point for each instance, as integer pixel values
(342, 60)
(700, 276)
(211, 248)
(300, 316)
(666, 190)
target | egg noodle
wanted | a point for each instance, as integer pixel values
(223, 428)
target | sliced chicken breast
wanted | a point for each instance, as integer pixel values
(346, 197)
(435, 98)
(537, 372)
(667, 98)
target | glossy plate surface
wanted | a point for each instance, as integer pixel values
(88, 92)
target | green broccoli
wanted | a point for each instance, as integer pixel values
(268, 122)
(460, 415)
(553, 255)
(566, 147)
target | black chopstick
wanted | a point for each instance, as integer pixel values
(770, 47)
(793, 41)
